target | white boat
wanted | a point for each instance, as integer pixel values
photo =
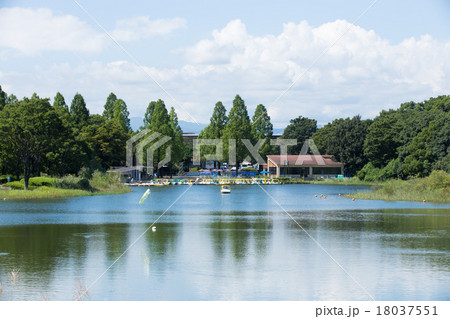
(225, 189)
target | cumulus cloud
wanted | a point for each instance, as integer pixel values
(361, 74)
(35, 30)
(142, 27)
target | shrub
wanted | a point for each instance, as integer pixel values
(193, 169)
(85, 172)
(248, 169)
(68, 182)
(39, 181)
(14, 185)
(103, 181)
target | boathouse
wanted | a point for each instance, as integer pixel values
(308, 166)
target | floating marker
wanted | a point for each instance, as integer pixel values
(144, 197)
(154, 228)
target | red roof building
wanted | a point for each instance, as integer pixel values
(310, 166)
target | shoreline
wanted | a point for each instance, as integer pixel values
(54, 193)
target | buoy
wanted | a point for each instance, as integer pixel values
(324, 197)
(353, 199)
(321, 195)
(154, 228)
(339, 195)
(424, 201)
(315, 195)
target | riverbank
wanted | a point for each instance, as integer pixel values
(433, 188)
(329, 181)
(69, 186)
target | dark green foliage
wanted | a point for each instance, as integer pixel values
(149, 112)
(177, 139)
(121, 114)
(59, 103)
(107, 142)
(108, 112)
(237, 128)
(3, 97)
(262, 129)
(344, 138)
(300, 128)
(215, 129)
(383, 139)
(27, 130)
(78, 111)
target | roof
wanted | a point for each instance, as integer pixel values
(303, 160)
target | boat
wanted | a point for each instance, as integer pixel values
(225, 189)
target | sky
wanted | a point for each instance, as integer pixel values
(322, 59)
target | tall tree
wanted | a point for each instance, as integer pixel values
(177, 139)
(3, 97)
(78, 110)
(108, 111)
(121, 114)
(27, 129)
(262, 129)
(300, 128)
(237, 128)
(215, 128)
(59, 102)
(160, 123)
(382, 139)
(107, 141)
(150, 109)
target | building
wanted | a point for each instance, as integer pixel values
(309, 166)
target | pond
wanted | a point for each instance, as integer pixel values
(273, 242)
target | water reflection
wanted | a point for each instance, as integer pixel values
(216, 250)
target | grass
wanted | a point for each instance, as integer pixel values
(330, 181)
(433, 188)
(68, 186)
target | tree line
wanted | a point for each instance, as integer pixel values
(37, 136)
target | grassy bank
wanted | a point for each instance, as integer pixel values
(434, 188)
(69, 186)
(330, 181)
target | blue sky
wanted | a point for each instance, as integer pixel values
(204, 51)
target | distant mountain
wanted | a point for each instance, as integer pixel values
(191, 126)
(137, 122)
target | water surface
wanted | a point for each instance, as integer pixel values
(241, 246)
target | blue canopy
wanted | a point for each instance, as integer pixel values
(264, 172)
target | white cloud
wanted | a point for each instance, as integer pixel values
(361, 74)
(35, 30)
(142, 27)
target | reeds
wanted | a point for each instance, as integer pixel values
(81, 292)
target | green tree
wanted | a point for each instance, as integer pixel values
(27, 129)
(160, 123)
(150, 109)
(262, 129)
(121, 114)
(59, 102)
(107, 141)
(78, 110)
(108, 111)
(3, 97)
(382, 139)
(11, 99)
(215, 128)
(177, 139)
(300, 128)
(237, 128)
